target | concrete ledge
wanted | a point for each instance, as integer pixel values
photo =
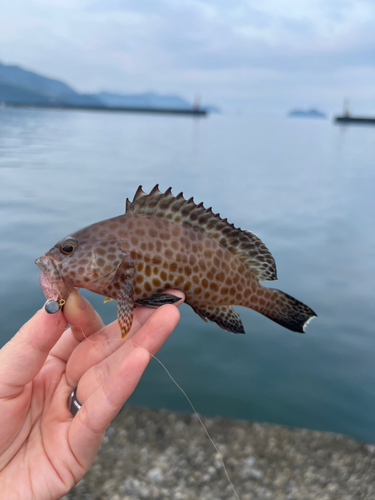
(158, 454)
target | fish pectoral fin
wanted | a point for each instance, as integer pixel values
(157, 300)
(125, 305)
(107, 299)
(225, 316)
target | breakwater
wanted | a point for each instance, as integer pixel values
(158, 454)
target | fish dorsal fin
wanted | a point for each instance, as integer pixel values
(247, 246)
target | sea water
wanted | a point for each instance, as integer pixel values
(306, 187)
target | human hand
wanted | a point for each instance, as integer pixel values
(44, 451)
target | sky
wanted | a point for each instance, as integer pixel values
(254, 56)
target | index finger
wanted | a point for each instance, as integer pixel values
(24, 355)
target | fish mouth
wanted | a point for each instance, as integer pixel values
(41, 265)
(49, 267)
(53, 285)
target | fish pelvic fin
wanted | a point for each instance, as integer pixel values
(245, 245)
(281, 308)
(225, 316)
(157, 300)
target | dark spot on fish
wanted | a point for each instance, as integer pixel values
(192, 259)
(187, 270)
(156, 282)
(156, 259)
(168, 253)
(220, 277)
(179, 281)
(202, 264)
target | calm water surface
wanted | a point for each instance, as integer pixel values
(305, 187)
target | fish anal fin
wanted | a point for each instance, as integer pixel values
(245, 245)
(225, 316)
(107, 299)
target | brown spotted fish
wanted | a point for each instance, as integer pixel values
(164, 241)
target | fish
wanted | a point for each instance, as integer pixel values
(165, 241)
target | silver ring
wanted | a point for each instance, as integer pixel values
(73, 404)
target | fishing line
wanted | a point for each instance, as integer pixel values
(183, 392)
(198, 417)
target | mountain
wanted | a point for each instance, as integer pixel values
(310, 113)
(13, 94)
(23, 87)
(14, 75)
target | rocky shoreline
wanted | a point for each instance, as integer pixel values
(161, 455)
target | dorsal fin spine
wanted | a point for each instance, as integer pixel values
(244, 244)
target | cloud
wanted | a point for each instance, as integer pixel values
(231, 52)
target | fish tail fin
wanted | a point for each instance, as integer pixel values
(281, 308)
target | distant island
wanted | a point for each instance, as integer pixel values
(310, 113)
(19, 88)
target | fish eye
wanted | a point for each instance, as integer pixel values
(67, 249)
(68, 246)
